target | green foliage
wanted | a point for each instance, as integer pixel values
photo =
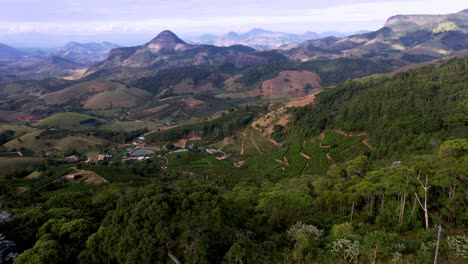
(213, 130)
(330, 71)
(458, 246)
(165, 78)
(189, 222)
(340, 231)
(410, 113)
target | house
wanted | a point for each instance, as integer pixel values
(100, 157)
(171, 123)
(72, 158)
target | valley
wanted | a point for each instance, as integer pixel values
(308, 150)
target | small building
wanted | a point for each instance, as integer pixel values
(171, 123)
(72, 158)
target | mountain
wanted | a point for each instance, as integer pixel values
(168, 51)
(8, 53)
(410, 38)
(262, 39)
(85, 53)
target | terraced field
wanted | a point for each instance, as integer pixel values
(195, 161)
(344, 146)
(318, 161)
(314, 156)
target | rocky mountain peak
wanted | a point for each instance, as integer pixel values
(167, 37)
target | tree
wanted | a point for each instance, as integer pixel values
(155, 223)
(425, 187)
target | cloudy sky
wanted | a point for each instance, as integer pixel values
(131, 21)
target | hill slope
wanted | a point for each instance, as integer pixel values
(412, 112)
(7, 52)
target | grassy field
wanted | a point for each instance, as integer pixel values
(71, 121)
(81, 144)
(18, 129)
(80, 91)
(120, 97)
(33, 141)
(30, 139)
(114, 174)
(8, 165)
(133, 125)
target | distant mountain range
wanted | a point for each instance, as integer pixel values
(411, 38)
(85, 53)
(63, 62)
(404, 39)
(262, 39)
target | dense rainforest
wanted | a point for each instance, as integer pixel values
(404, 201)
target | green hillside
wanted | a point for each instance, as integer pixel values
(72, 121)
(411, 113)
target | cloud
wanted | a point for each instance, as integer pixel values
(87, 17)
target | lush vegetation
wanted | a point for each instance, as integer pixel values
(413, 112)
(331, 72)
(325, 196)
(211, 130)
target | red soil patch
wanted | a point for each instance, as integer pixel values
(290, 83)
(307, 157)
(192, 102)
(302, 102)
(242, 145)
(156, 109)
(29, 118)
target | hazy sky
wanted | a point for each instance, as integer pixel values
(114, 19)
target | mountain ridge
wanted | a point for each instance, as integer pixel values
(85, 53)
(167, 51)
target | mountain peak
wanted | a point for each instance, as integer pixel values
(167, 37)
(257, 31)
